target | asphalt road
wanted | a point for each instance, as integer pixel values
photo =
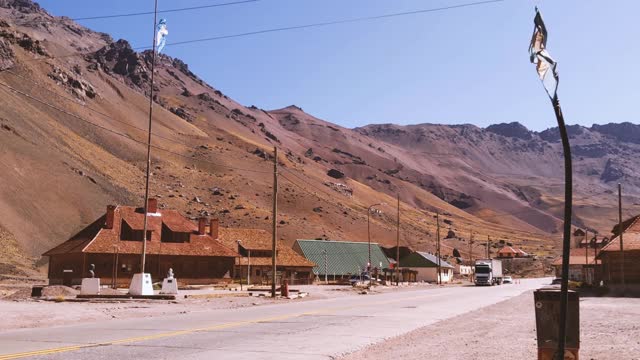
(317, 329)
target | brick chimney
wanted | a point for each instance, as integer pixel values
(152, 205)
(111, 213)
(202, 225)
(214, 227)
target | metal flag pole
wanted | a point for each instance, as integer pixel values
(146, 189)
(546, 69)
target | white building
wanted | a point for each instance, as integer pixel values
(426, 266)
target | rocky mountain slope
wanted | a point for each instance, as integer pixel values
(72, 140)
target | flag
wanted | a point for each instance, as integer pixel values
(545, 65)
(161, 37)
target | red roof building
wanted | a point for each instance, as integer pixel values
(255, 249)
(613, 259)
(583, 265)
(113, 243)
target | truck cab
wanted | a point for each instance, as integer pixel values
(488, 272)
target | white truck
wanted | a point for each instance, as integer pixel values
(488, 272)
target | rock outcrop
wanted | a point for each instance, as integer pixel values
(514, 130)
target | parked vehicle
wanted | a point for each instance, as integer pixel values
(488, 272)
(556, 281)
(507, 280)
(364, 278)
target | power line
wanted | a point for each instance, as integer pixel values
(298, 27)
(121, 134)
(164, 11)
(501, 214)
(304, 181)
(227, 166)
(337, 22)
(40, 86)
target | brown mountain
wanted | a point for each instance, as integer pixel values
(72, 140)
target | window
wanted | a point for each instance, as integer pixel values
(128, 234)
(168, 236)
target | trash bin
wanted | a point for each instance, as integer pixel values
(547, 305)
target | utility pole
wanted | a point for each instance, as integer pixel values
(398, 244)
(148, 173)
(326, 281)
(369, 234)
(438, 279)
(489, 247)
(586, 248)
(240, 267)
(274, 223)
(470, 247)
(586, 254)
(624, 290)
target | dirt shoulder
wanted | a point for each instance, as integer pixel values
(610, 329)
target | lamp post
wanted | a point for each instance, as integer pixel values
(369, 234)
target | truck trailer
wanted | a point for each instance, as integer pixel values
(488, 272)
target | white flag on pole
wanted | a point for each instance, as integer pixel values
(545, 65)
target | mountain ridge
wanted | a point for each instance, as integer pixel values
(212, 156)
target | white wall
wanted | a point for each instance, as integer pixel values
(429, 274)
(465, 270)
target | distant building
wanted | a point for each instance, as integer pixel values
(255, 249)
(463, 270)
(509, 252)
(113, 243)
(341, 259)
(594, 242)
(426, 266)
(611, 257)
(582, 266)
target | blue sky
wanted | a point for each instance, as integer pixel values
(466, 65)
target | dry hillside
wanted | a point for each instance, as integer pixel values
(73, 117)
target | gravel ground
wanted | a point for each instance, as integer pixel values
(610, 329)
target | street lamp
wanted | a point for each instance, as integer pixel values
(369, 234)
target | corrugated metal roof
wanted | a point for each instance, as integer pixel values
(422, 259)
(343, 257)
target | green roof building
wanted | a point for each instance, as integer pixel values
(343, 258)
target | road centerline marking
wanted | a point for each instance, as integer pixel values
(211, 328)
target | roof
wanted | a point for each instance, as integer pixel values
(577, 257)
(260, 240)
(423, 259)
(343, 257)
(630, 241)
(507, 250)
(521, 252)
(632, 224)
(79, 241)
(250, 239)
(98, 239)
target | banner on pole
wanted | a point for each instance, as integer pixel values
(545, 65)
